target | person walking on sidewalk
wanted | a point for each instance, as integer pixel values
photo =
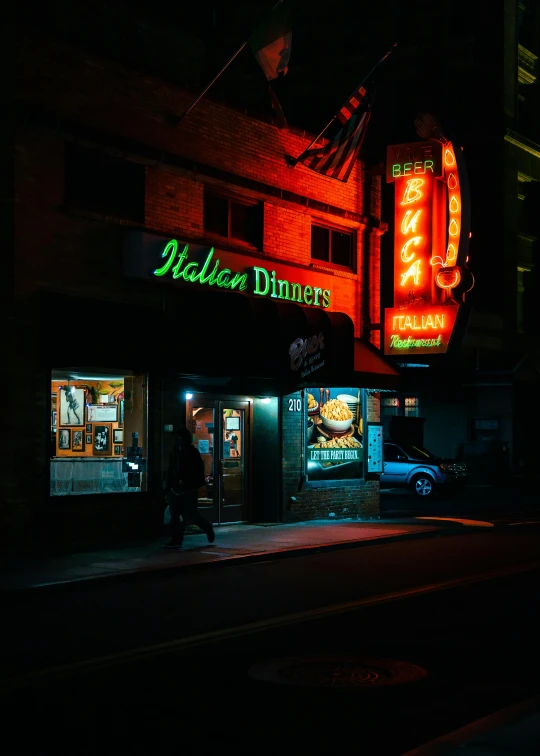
(185, 477)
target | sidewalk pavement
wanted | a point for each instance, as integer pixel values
(513, 731)
(233, 544)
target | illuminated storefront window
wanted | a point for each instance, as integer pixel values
(93, 419)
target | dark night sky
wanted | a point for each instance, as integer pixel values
(448, 62)
(334, 46)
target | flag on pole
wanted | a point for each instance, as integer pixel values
(336, 159)
(271, 42)
(281, 122)
(271, 45)
(346, 111)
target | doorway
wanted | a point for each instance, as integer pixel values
(221, 430)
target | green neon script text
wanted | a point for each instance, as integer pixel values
(223, 279)
(259, 280)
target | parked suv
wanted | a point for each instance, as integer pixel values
(409, 466)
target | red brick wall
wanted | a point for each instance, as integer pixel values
(59, 249)
(173, 204)
(103, 95)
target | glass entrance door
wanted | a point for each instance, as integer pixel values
(233, 431)
(221, 433)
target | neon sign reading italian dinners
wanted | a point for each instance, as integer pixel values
(256, 280)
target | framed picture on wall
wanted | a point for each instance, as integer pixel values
(105, 413)
(121, 418)
(89, 427)
(64, 438)
(77, 440)
(88, 438)
(102, 439)
(71, 406)
(118, 436)
(53, 418)
(118, 450)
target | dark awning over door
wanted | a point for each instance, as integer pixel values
(208, 333)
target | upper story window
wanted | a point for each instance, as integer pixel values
(411, 406)
(526, 25)
(529, 219)
(523, 298)
(234, 219)
(104, 184)
(390, 405)
(332, 246)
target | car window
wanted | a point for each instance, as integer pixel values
(391, 452)
(418, 452)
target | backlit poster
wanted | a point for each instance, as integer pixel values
(334, 434)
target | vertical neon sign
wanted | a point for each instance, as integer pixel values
(413, 239)
(447, 275)
(429, 246)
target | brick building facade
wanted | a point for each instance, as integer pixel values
(103, 174)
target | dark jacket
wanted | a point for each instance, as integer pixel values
(186, 465)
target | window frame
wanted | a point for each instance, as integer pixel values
(252, 203)
(98, 203)
(388, 444)
(401, 406)
(86, 456)
(340, 230)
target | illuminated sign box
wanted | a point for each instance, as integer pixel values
(416, 159)
(418, 331)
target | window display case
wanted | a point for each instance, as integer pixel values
(90, 413)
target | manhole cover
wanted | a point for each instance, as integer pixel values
(337, 672)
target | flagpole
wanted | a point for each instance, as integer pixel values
(216, 77)
(293, 161)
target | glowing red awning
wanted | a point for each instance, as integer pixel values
(371, 369)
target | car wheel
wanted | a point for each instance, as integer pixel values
(423, 486)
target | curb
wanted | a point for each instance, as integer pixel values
(233, 560)
(470, 734)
